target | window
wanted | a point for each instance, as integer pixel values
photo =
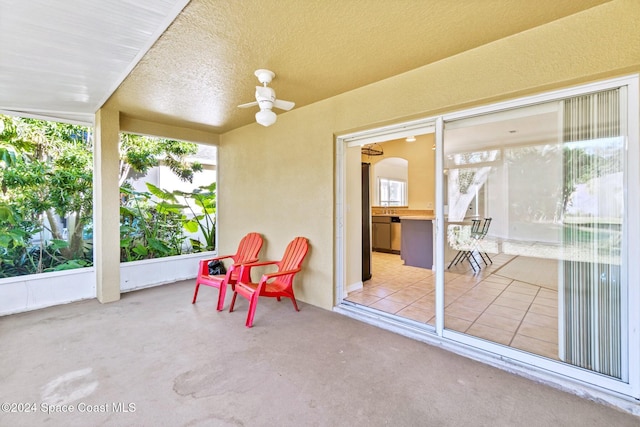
(392, 192)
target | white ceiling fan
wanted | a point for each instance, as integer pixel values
(266, 99)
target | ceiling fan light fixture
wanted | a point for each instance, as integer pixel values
(266, 117)
(411, 139)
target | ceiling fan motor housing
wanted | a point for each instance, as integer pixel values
(265, 97)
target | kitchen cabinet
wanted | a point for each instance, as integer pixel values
(386, 234)
(381, 228)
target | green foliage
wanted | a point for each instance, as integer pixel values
(152, 222)
(149, 228)
(205, 198)
(140, 153)
(46, 173)
(46, 177)
(202, 199)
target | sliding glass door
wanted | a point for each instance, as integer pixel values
(535, 218)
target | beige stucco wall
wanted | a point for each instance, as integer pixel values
(280, 180)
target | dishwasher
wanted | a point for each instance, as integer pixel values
(396, 233)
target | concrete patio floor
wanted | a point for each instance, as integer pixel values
(154, 359)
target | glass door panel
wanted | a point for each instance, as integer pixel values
(535, 212)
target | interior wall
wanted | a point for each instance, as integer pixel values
(280, 180)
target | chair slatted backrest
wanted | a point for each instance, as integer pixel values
(292, 259)
(294, 254)
(485, 227)
(248, 248)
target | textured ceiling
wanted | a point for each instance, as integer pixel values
(202, 67)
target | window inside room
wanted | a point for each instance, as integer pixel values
(392, 192)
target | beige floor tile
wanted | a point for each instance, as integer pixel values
(362, 298)
(532, 345)
(511, 313)
(544, 309)
(426, 302)
(523, 288)
(414, 313)
(546, 293)
(478, 304)
(388, 306)
(549, 302)
(497, 304)
(483, 290)
(379, 291)
(541, 320)
(487, 284)
(395, 286)
(462, 312)
(455, 323)
(495, 278)
(404, 297)
(492, 334)
(513, 303)
(517, 296)
(539, 332)
(498, 322)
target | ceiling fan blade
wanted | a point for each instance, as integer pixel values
(248, 104)
(283, 105)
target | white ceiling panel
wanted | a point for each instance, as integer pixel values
(64, 58)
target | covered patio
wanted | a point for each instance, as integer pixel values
(155, 359)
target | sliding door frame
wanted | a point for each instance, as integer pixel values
(489, 352)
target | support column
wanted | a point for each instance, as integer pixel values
(106, 205)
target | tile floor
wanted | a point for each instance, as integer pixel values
(512, 301)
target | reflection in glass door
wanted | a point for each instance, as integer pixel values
(534, 250)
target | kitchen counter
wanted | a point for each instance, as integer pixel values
(417, 240)
(418, 217)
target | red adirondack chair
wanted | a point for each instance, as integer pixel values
(278, 284)
(247, 252)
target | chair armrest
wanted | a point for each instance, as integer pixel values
(244, 276)
(238, 265)
(269, 276)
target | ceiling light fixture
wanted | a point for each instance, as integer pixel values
(411, 139)
(266, 117)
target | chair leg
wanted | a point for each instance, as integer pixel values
(221, 295)
(233, 301)
(293, 300)
(472, 257)
(454, 259)
(253, 302)
(195, 294)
